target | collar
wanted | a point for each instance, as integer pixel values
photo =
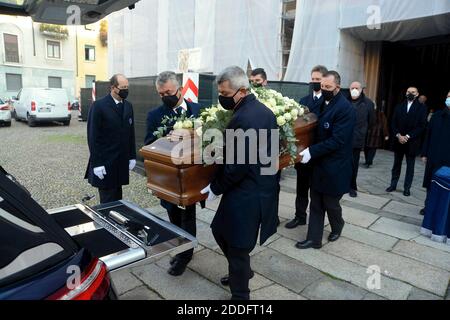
(319, 95)
(115, 100)
(244, 101)
(182, 105)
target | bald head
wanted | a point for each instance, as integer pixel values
(119, 85)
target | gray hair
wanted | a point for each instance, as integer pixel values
(236, 76)
(167, 76)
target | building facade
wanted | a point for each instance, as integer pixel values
(92, 55)
(35, 55)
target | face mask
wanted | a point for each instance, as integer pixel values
(228, 102)
(316, 86)
(171, 101)
(410, 97)
(355, 93)
(123, 93)
(447, 102)
(327, 95)
(257, 85)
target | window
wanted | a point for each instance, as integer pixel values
(89, 53)
(53, 49)
(54, 82)
(11, 48)
(13, 82)
(89, 81)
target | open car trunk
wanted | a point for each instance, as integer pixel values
(121, 234)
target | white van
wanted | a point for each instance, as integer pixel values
(42, 105)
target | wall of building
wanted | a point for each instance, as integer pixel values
(34, 66)
(90, 35)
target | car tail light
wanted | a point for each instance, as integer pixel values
(94, 285)
(33, 106)
(69, 107)
(4, 108)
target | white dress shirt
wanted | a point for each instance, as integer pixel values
(182, 105)
(410, 103)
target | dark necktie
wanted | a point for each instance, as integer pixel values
(120, 107)
(316, 98)
(179, 111)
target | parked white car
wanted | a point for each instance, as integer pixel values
(5, 114)
(42, 105)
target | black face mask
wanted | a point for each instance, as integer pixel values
(171, 101)
(257, 85)
(410, 97)
(228, 102)
(123, 93)
(327, 95)
(316, 86)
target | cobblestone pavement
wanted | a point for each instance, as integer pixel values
(382, 231)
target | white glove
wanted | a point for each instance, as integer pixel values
(132, 164)
(100, 172)
(306, 156)
(211, 195)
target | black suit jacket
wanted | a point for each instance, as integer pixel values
(313, 106)
(410, 123)
(155, 117)
(249, 198)
(332, 153)
(111, 141)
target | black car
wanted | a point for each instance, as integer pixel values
(69, 253)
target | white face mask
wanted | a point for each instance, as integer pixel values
(355, 93)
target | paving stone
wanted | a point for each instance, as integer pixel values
(330, 289)
(286, 212)
(206, 215)
(124, 281)
(371, 296)
(286, 271)
(275, 292)
(368, 200)
(140, 293)
(205, 236)
(299, 233)
(403, 209)
(288, 199)
(214, 266)
(396, 229)
(189, 286)
(430, 243)
(374, 239)
(358, 217)
(359, 206)
(395, 266)
(418, 294)
(435, 257)
(343, 269)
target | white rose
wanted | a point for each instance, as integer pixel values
(287, 117)
(301, 112)
(281, 121)
(208, 119)
(294, 113)
(187, 124)
(178, 125)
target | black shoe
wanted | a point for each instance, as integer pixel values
(353, 193)
(407, 193)
(295, 223)
(173, 260)
(308, 244)
(225, 281)
(391, 189)
(177, 269)
(422, 212)
(367, 166)
(334, 237)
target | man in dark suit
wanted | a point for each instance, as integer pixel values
(331, 157)
(249, 194)
(258, 78)
(111, 141)
(436, 149)
(408, 124)
(365, 119)
(174, 105)
(313, 102)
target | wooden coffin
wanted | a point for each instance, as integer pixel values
(178, 180)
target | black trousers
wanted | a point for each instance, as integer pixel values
(303, 185)
(369, 154)
(110, 195)
(355, 167)
(397, 169)
(321, 203)
(239, 270)
(186, 220)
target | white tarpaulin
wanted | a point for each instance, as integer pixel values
(148, 39)
(332, 32)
